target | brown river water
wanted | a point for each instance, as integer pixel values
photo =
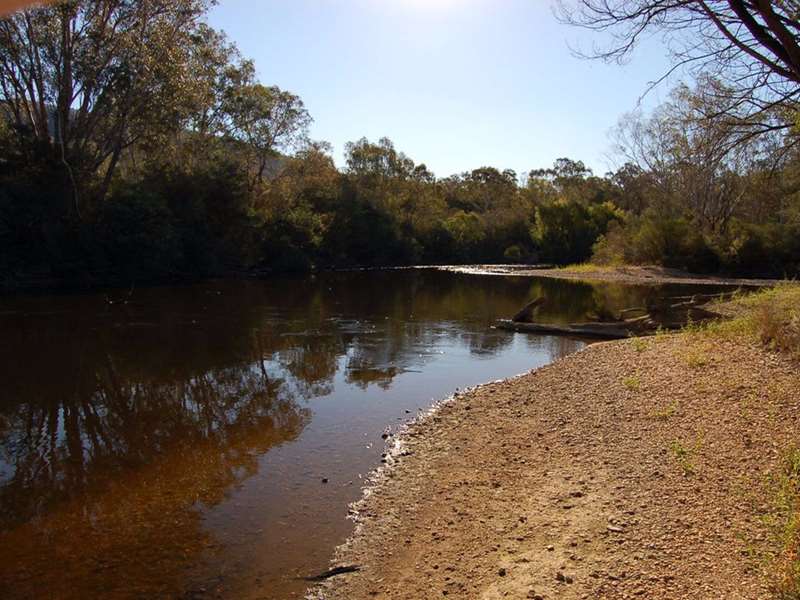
(172, 442)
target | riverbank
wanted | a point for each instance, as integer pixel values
(633, 469)
(635, 275)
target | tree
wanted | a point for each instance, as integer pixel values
(751, 46)
(218, 68)
(566, 231)
(482, 190)
(381, 174)
(81, 81)
(569, 180)
(695, 165)
(268, 120)
(381, 160)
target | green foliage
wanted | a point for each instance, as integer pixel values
(684, 455)
(769, 249)
(513, 254)
(565, 232)
(657, 240)
(467, 231)
(136, 236)
(179, 163)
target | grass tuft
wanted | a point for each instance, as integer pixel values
(779, 327)
(696, 358)
(685, 455)
(633, 383)
(668, 412)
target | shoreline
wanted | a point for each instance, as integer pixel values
(633, 275)
(397, 448)
(498, 492)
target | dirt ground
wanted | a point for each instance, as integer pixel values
(633, 469)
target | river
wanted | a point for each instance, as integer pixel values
(205, 441)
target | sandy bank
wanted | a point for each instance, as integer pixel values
(628, 275)
(634, 469)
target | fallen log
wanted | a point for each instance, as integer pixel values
(609, 331)
(526, 314)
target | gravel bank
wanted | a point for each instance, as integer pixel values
(628, 275)
(634, 469)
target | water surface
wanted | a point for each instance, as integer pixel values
(172, 442)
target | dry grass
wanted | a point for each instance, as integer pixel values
(632, 383)
(785, 524)
(772, 316)
(588, 268)
(779, 327)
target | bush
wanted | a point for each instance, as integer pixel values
(666, 241)
(513, 254)
(769, 250)
(565, 232)
(137, 237)
(363, 235)
(467, 231)
(285, 247)
(778, 322)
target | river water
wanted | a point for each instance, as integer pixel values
(205, 441)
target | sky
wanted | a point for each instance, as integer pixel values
(455, 84)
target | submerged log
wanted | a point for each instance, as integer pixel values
(609, 331)
(527, 312)
(661, 314)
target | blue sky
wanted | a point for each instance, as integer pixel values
(456, 84)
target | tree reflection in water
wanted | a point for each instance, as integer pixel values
(108, 485)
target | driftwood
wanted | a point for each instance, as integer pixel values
(660, 314)
(607, 331)
(527, 312)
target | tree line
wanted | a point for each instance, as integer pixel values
(138, 145)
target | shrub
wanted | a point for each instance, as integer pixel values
(778, 324)
(565, 232)
(467, 230)
(770, 250)
(137, 237)
(513, 254)
(657, 240)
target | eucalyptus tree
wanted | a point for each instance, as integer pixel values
(698, 166)
(81, 81)
(268, 120)
(380, 174)
(751, 47)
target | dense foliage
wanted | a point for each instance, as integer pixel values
(137, 145)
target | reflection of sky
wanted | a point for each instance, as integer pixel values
(383, 350)
(284, 502)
